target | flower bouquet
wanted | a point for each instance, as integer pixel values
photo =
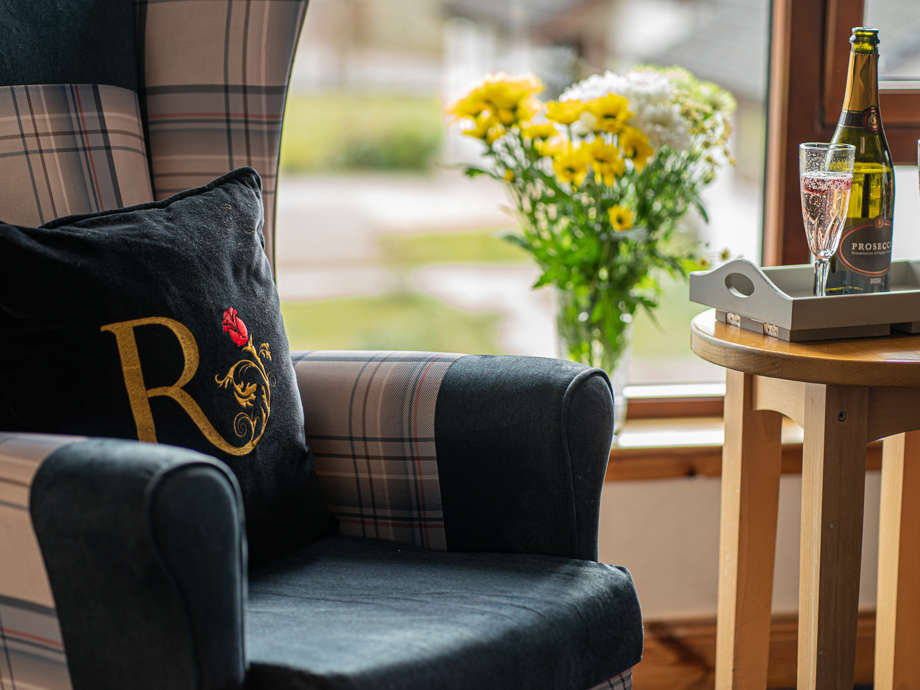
(600, 179)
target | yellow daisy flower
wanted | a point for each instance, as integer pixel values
(486, 128)
(494, 134)
(507, 92)
(527, 108)
(506, 116)
(621, 217)
(606, 161)
(552, 147)
(564, 112)
(480, 128)
(610, 112)
(509, 175)
(635, 146)
(540, 131)
(571, 165)
(510, 99)
(470, 106)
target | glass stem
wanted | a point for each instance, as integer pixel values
(821, 266)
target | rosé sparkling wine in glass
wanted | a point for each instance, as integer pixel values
(825, 178)
(824, 208)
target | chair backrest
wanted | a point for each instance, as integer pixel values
(125, 102)
(110, 103)
(215, 79)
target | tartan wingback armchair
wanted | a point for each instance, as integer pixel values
(466, 488)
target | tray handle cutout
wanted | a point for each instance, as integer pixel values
(742, 288)
(739, 285)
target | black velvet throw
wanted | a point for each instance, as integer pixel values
(161, 322)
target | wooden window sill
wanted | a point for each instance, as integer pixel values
(671, 401)
(666, 448)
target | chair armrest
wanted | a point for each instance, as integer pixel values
(523, 444)
(145, 552)
(465, 452)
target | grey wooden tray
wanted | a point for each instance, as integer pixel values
(778, 302)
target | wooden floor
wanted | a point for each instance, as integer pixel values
(680, 655)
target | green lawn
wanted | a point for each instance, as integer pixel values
(343, 130)
(474, 246)
(395, 321)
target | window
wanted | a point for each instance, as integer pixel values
(808, 76)
(382, 244)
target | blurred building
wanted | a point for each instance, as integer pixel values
(395, 45)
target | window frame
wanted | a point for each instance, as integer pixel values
(806, 81)
(804, 103)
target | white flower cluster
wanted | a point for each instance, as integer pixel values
(651, 100)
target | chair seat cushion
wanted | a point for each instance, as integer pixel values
(353, 613)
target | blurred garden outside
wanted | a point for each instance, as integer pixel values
(383, 244)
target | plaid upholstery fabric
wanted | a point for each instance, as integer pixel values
(370, 423)
(215, 81)
(31, 650)
(69, 148)
(622, 681)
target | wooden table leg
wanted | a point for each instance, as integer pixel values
(897, 636)
(833, 485)
(751, 459)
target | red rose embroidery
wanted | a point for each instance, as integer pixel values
(234, 325)
(250, 383)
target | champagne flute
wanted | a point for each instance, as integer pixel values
(825, 177)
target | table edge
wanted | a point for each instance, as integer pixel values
(797, 367)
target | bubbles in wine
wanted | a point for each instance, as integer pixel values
(824, 203)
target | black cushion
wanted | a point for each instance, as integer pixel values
(350, 613)
(161, 322)
(68, 42)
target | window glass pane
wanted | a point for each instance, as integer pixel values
(906, 228)
(899, 52)
(383, 243)
(725, 42)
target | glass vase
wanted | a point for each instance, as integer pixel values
(581, 341)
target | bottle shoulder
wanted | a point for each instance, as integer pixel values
(871, 147)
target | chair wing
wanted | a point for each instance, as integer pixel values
(69, 149)
(214, 88)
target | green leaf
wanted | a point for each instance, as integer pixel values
(476, 172)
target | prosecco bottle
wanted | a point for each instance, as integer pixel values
(862, 261)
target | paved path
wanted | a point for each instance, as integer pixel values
(336, 219)
(328, 248)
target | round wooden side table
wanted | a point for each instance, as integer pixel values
(844, 394)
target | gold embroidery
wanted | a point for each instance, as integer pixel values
(139, 395)
(245, 392)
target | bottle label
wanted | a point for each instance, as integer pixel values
(868, 119)
(866, 248)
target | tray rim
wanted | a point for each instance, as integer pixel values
(800, 313)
